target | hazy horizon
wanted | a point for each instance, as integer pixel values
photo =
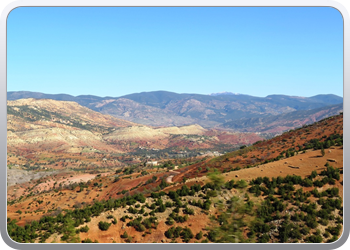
(211, 94)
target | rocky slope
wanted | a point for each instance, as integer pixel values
(283, 122)
(162, 108)
(45, 124)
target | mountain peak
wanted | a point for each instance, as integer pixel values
(224, 93)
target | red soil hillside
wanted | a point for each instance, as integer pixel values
(248, 163)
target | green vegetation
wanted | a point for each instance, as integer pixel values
(284, 200)
(175, 232)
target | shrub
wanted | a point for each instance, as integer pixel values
(229, 184)
(84, 229)
(187, 210)
(186, 234)
(124, 235)
(212, 193)
(87, 241)
(315, 238)
(170, 221)
(103, 225)
(199, 235)
(241, 184)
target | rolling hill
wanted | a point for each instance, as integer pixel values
(288, 189)
(66, 126)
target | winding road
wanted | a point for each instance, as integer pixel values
(169, 179)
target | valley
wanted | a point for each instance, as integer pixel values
(215, 125)
(97, 178)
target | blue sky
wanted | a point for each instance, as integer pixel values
(117, 51)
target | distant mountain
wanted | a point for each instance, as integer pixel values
(282, 122)
(224, 93)
(329, 99)
(163, 108)
(325, 99)
(15, 95)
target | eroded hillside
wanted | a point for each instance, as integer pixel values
(64, 134)
(286, 189)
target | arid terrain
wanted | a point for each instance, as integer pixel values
(75, 175)
(66, 127)
(237, 112)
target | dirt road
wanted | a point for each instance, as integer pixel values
(169, 179)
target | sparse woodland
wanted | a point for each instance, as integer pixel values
(288, 208)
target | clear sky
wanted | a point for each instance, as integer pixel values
(117, 51)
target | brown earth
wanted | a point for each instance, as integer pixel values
(71, 110)
(306, 162)
(46, 203)
(196, 222)
(61, 126)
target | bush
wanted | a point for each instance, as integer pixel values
(84, 229)
(326, 234)
(241, 184)
(170, 221)
(87, 241)
(212, 193)
(187, 210)
(315, 238)
(264, 238)
(212, 235)
(229, 184)
(103, 225)
(173, 232)
(124, 235)
(335, 231)
(186, 234)
(199, 235)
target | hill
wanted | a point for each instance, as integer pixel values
(163, 108)
(57, 125)
(75, 137)
(286, 189)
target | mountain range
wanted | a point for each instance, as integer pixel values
(273, 113)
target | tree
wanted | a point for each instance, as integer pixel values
(229, 223)
(125, 235)
(322, 151)
(69, 232)
(287, 154)
(216, 179)
(186, 234)
(241, 184)
(163, 184)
